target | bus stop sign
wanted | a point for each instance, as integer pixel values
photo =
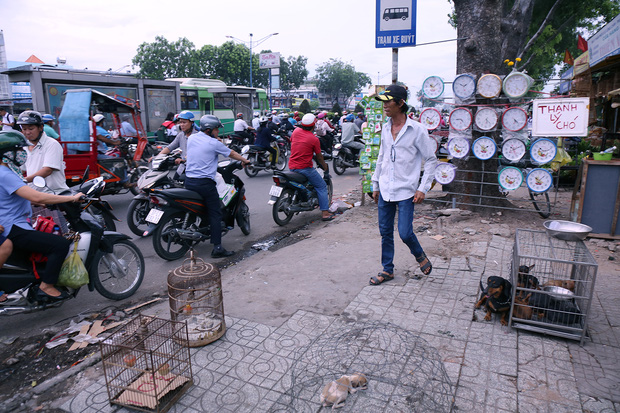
(396, 20)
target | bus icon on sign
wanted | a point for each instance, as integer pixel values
(396, 13)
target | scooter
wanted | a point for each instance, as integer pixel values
(115, 265)
(177, 215)
(260, 159)
(345, 157)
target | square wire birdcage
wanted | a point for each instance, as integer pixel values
(147, 364)
(553, 284)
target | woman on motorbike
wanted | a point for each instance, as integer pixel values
(264, 137)
(15, 211)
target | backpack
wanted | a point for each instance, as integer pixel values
(16, 126)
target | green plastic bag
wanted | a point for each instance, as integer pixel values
(73, 273)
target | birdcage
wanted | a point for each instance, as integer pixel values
(147, 364)
(553, 283)
(195, 294)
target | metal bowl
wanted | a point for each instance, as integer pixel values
(567, 230)
(559, 293)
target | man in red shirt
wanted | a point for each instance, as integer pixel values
(304, 145)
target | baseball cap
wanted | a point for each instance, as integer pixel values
(393, 92)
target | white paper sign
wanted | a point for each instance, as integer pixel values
(267, 60)
(560, 117)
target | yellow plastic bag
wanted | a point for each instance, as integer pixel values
(73, 273)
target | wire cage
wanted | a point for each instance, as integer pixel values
(195, 295)
(147, 364)
(553, 283)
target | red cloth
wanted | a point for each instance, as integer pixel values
(568, 58)
(303, 146)
(582, 44)
(168, 124)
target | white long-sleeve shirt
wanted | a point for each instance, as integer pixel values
(400, 162)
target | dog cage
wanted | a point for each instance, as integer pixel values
(553, 283)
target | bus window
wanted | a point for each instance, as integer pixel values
(189, 99)
(223, 101)
(206, 106)
(396, 13)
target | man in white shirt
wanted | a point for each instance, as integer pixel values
(256, 120)
(405, 144)
(127, 129)
(241, 129)
(8, 121)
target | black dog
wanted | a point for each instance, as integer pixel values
(527, 280)
(496, 298)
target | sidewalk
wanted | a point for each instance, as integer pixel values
(287, 309)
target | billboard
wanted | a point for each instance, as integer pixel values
(396, 23)
(268, 60)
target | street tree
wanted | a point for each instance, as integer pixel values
(293, 72)
(161, 59)
(340, 79)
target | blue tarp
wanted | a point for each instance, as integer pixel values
(73, 120)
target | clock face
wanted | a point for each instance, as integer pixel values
(460, 119)
(484, 148)
(489, 86)
(430, 118)
(513, 149)
(486, 119)
(539, 180)
(510, 178)
(464, 86)
(458, 147)
(514, 119)
(543, 151)
(445, 173)
(516, 85)
(432, 87)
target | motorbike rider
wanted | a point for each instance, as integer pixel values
(264, 137)
(256, 120)
(203, 150)
(15, 210)
(104, 137)
(347, 137)
(186, 129)
(48, 126)
(304, 145)
(45, 158)
(127, 129)
(287, 125)
(241, 128)
(323, 131)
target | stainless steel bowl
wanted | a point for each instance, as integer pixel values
(567, 230)
(559, 293)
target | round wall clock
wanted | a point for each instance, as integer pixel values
(484, 148)
(516, 85)
(460, 119)
(445, 173)
(543, 151)
(436, 140)
(486, 118)
(514, 119)
(510, 178)
(430, 118)
(433, 87)
(458, 147)
(513, 149)
(489, 86)
(539, 180)
(464, 86)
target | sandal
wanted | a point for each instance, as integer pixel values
(380, 278)
(425, 267)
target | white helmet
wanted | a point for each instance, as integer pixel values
(263, 119)
(98, 117)
(308, 120)
(256, 114)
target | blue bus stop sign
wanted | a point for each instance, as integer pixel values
(396, 20)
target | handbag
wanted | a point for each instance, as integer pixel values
(73, 273)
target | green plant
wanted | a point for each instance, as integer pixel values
(305, 106)
(336, 108)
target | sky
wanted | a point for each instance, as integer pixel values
(105, 35)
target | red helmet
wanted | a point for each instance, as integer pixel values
(296, 113)
(239, 115)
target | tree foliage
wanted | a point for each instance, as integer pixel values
(162, 59)
(304, 106)
(338, 78)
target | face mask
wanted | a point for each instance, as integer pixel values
(18, 159)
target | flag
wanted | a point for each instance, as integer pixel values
(568, 58)
(582, 44)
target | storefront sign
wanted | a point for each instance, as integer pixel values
(606, 42)
(396, 23)
(560, 117)
(567, 78)
(582, 63)
(268, 60)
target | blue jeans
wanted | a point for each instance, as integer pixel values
(319, 185)
(387, 212)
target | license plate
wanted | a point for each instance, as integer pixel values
(335, 153)
(154, 216)
(272, 200)
(275, 190)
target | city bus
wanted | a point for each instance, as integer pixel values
(214, 97)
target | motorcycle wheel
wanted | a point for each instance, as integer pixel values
(250, 170)
(339, 166)
(135, 175)
(166, 244)
(106, 221)
(280, 216)
(243, 218)
(118, 275)
(282, 162)
(136, 215)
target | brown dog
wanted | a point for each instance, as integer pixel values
(521, 308)
(496, 298)
(568, 284)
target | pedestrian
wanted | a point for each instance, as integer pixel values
(8, 120)
(48, 126)
(405, 145)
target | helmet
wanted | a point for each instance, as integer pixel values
(256, 114)
(321, 115)
(47, 118)
(350, 117)
(263, 119)
(30, 117)
(210, 122)
(175, 118)
(186, 114)
(11, 141)
(273, 112)
(308, 120)
(285, 115)
(344, 112)
(296, 113)
(98, 117)
(239, 115)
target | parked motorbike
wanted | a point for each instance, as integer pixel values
(115, 265)
(177, 215)
(260, 159)
(292, 194)
(345, 157)
(164, 173)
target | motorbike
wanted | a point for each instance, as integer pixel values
(292, 194)
(164, 173)
(260, 159)
(115, 265)
(176, 218)
(237, 142)
(345, 157)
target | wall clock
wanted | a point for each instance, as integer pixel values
(484, 148)
(489, 86)
(430, 118)
(510, 178)
(513, 149)
(539, 180)
(464, 86)
(445, 173)
(516, 85)
(486, 118)
(433, 87)
(460, 119)
(458, 147)
(514, 119)
(543, 151)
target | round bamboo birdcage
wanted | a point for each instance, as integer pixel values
(195, 295)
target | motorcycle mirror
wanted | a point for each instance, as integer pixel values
(39, 182)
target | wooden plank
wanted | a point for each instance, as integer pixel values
(83, 330)
(141, 305)
(94, 331)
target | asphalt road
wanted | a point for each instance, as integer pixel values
(264, 229)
